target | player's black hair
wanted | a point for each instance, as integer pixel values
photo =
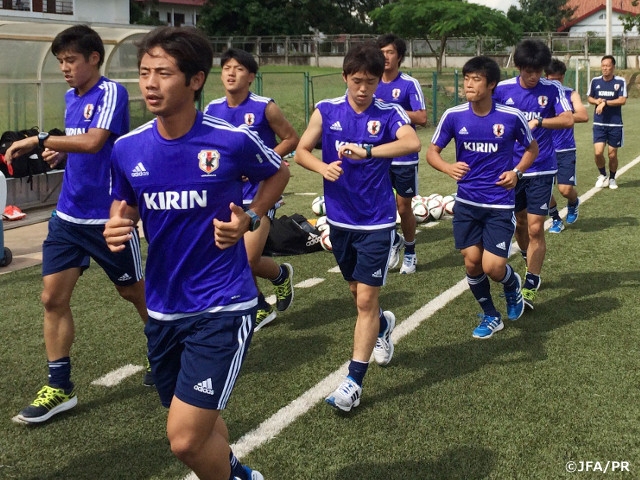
(532, 53)
(364, 57)
(81, 39)
(556, 67)
(242, 57)
(187, 45)
(485, 66)
(609, 57)
(391, 38)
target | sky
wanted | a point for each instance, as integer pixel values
(497, 4)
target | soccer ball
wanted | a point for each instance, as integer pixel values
(321, 223)
(417, 199)
(421, 212)
(318, 205)
(435, 196)
(435, 209)
(448, 202)
(325, 241)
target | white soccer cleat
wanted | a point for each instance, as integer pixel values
(409, 263)
(602, 181)
(346, 396)
(383, 351)
(395, 251)
(613, 184)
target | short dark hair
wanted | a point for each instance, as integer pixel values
(486, 66)
(532, 53)
(243, 57)
(391, 38)
(608, 57)
(364, 57)
(79, 38)
(556, 67)
(188, 45)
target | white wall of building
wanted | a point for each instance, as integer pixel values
(597, 23)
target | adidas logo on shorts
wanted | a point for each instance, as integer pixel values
(205, 386)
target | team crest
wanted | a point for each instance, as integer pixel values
(543, 100)
(395, 93)
(249, 119)
(616, 87)
(88, 111)
(373, 127)
(208, 160)
(498, 129)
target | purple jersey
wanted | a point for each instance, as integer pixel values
(545, 100)
(405, 91)
(362, 198)
(563, 139)
(179, 187)
(251, 112)
(84, 197)
(485, 144)
(608, 90)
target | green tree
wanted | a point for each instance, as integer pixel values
(540, 15)
(440, 20)
(630, 20)
(137, 14)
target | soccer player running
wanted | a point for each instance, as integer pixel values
(485, 133)
(240, 106)
(97, 112)
(564, 143)
(545, 106)
(360, 137)
(201, 295)
(608, 93)
(404, 90)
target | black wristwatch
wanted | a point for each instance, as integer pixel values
(539, 121)
(367, 147)
(518, 173)
(254, 223)
(42, 136)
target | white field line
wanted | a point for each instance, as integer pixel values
(116, 376)
(284, 417)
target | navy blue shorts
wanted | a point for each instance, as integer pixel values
(404, 179)
(534, 194)
(491, 228)
(567, 174)
(363, 256)
(613, 136)
(198, 358)
(69, 245)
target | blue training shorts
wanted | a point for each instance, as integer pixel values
(404, 179)
(613, 136)
(567, 174)
(491, 228)
(534, 194)
(70, 245)
(363, 256)
(198, 358)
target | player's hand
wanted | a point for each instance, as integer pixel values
(333, 171)
(458, 170)
(52, 157)
(352, 151)
(19, 148)
(600, 108)
(508, 180)
(227, 234)
(118, 230)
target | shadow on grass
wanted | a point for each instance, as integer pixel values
(469, 462)
(597, 224)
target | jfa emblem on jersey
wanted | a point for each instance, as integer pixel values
(498, 129)
(543, 100)
(373, 127)
(208, 160)
(395, 93)
(88, 111)
(616, 87)
(249, 118)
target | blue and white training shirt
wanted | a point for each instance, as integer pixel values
(564, 139)
(179, 187)
(85, 197)
(362, 198)
(485, 144)
(608, 90)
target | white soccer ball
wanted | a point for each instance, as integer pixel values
(318, 205)
(448, 202)
(321, 223)
(421, 212)
(435, 209)
(398, 219)
(325, 240)
(435, 196)
(417, 199)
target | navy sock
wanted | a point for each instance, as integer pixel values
(237, 470)
(602, 171)
(262, 302)
(357, 371)
(282, 276)
(524, 255)
(569, 204)
(553, 213)
(60, 373)
(410, 247)
(612, 175)
(532, 281)
(383, 323)
(509, 281)
(481, 289)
